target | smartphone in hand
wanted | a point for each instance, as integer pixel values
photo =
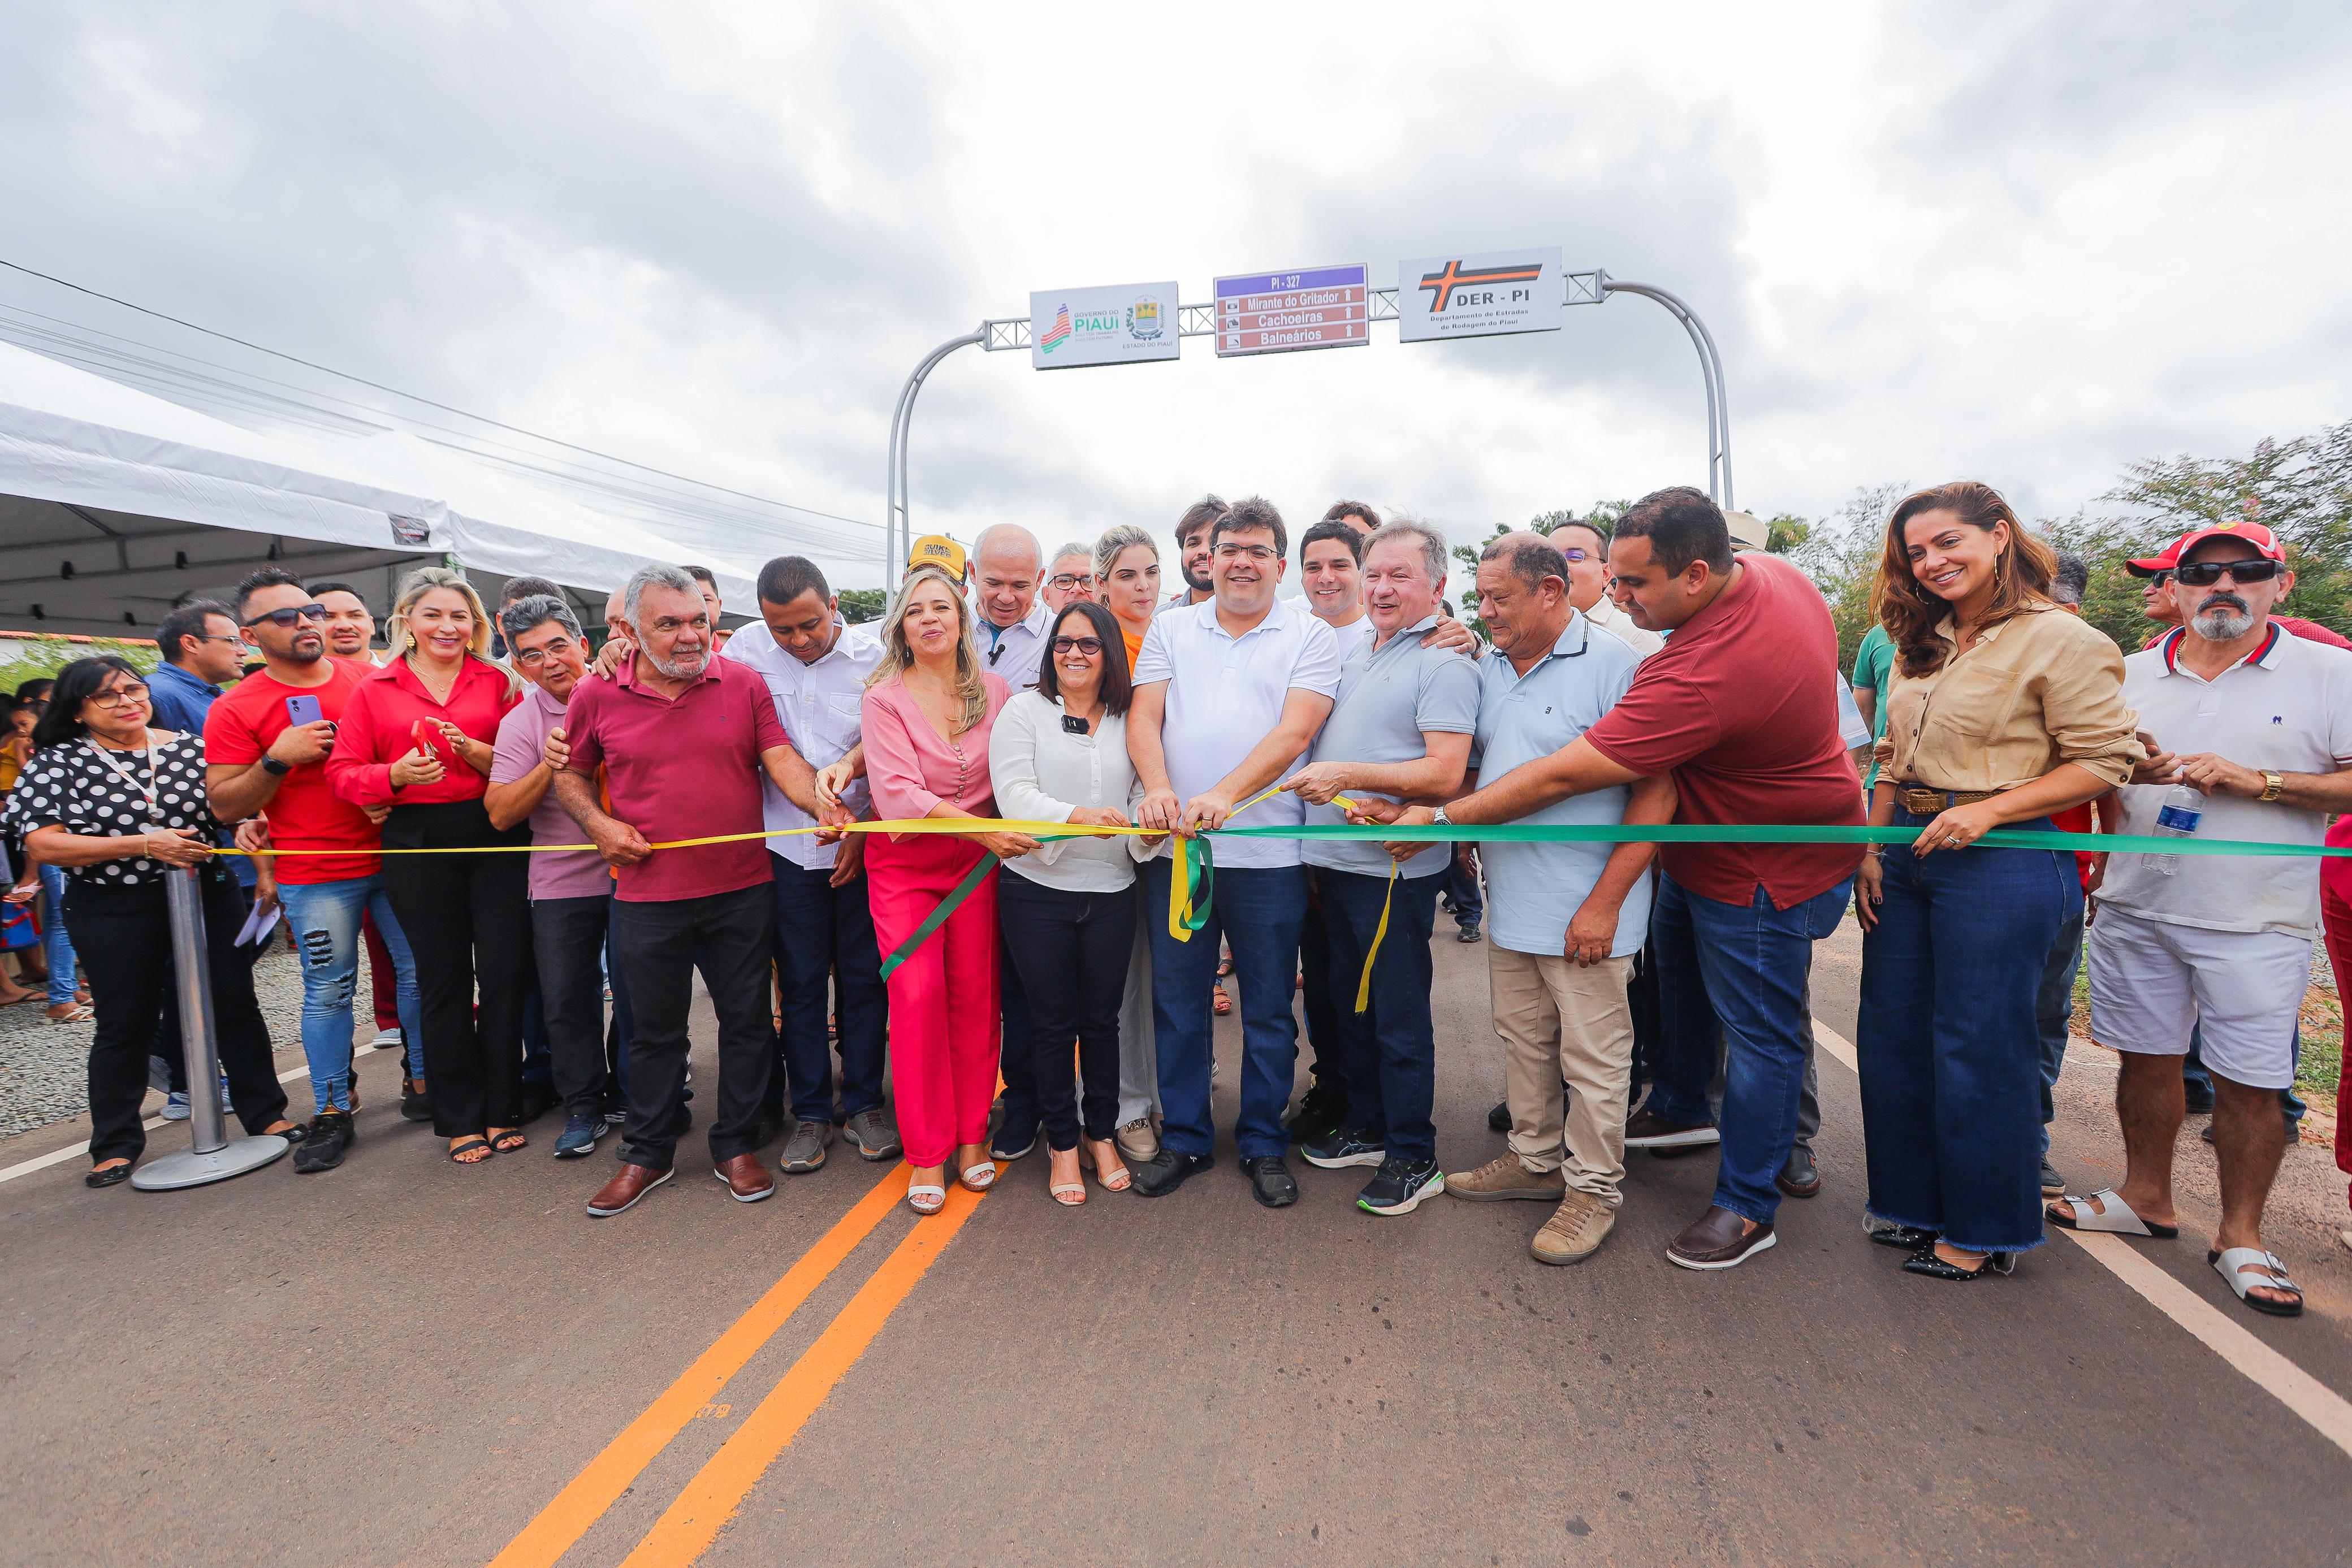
(301, 709)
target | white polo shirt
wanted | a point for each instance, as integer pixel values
(1606, 614)
(2287, 706)
(818, 704)
(1224, 694)
(1015, 653)
(1354, 637)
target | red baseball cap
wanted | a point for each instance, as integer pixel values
(2265, 543)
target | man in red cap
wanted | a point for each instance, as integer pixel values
(2159, 596)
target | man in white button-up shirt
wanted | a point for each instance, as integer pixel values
(816, 667)
(1228, 696)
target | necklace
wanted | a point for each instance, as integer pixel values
(146, 790)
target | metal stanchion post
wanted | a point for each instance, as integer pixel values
(217, 1157)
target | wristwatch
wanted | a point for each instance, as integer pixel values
(2274, 785)
(1442, 819)
(271, 765)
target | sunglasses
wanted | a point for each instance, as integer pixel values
(2206, 573)
(282, 619)
(1090, 647)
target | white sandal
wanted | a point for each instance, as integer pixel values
(979, 1177)
(1114, 1177)
(2111, 1214)
(924, 1197)
(2240, 1261)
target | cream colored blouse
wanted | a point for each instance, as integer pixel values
(2041, 688)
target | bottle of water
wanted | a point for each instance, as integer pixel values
(2179, 818)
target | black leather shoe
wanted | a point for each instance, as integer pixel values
(1907, 1238)
(1499, 1120)
(1800, 1177)
(1166, 1171)
(1271, 1182)
(110, 1176)
(1925, 1262)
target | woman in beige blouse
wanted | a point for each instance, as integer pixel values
(2002, 708)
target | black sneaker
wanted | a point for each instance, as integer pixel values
(1499, 1120)
(1271, 1182)
(578, 1140)
(1317, 1117)
(1336, 1151)
(1166, 1171)
(1468, 934)
(322, 1146)
(1399, 1186)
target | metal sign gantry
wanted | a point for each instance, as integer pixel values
(1002, 333)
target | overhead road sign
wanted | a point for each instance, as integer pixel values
(1123, 324)
(1274, 312)
(1479, 295)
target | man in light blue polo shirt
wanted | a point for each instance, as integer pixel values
(1563, 920)
(1401, 728)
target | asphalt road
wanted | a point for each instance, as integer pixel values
(409, 1362)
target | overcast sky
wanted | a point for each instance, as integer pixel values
(2027, 244)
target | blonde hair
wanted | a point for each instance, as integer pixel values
(1117, 541)
(899, 655)
(424, 581)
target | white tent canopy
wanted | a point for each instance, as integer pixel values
(115, 506)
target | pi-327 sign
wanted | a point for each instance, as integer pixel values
(1480, 295)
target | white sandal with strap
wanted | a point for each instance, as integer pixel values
(979, 1177)
(2268, 1273)
(1114, 1176)
(924, 1198)
(2111, 1214)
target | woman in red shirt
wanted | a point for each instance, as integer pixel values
(417, 736)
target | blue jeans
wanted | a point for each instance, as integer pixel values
(1389, 1049)
(824, 934)
(325, 916)
(1258, 911)
(1469, 905)
(1745, 967)
(1948, 1042)
(2055, 1005)
(56, 948)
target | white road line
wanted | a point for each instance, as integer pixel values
(2327, 1411)
(43, 1162)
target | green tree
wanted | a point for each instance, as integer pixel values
(863, 604)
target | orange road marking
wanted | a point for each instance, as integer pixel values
(578, 1506)
(711, 1498)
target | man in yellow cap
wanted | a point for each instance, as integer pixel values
(939, 550)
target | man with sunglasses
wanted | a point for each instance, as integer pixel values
(260, 762)
(2260, 723)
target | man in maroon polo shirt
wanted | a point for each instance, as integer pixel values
(683, 740)
(1739, 708)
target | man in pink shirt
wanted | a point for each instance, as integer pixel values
(683, 740)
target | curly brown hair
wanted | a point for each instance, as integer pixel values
(1911, 614)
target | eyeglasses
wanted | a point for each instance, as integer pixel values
(282, 619)
(1578, 553)
(1252, 552)
(2206, 573)
(529, 658)
(1090, 647)
(1069, 580)
(118, 698)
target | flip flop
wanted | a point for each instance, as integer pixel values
(508, 1142)
(467, 1146)
(2113, 1214)
(2269, 1273)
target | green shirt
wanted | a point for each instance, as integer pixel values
(1873, 667)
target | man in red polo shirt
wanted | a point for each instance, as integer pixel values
(684, 740)
(1739, 708)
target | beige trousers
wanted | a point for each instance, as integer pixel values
(1560, 1021)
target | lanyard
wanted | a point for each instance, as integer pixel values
(146, 790)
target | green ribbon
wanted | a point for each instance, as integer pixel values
(939, 917)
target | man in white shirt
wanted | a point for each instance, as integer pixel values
(1193, 551)
(1228, 697)
(2222, 943)
(1585, 548)
(815, 665)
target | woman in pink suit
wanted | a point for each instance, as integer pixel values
(928, 710)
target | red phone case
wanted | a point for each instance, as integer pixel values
(430, 740)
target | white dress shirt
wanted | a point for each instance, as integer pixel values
(1224, 695)
(1015, 653)
(1043, 773)
(818, 704)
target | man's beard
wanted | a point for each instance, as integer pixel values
(678, 670)
(1198, 583)
(2217, 622)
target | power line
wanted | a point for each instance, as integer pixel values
(428, 402)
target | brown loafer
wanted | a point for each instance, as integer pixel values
(1719, 1239)
(629, 1184)
(747, 1179)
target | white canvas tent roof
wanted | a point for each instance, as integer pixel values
(116, 505)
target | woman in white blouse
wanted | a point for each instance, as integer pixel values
(1058, 754)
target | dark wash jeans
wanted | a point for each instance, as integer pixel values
(727, 935)
(1389, 1051)
(1749, 969)
(2055, 1003)
(1329, 1064)
(1257, 910)
(826, 934)
(123, 936)
(1023, 1112)
(1948, 1040)
(567, 937)
(1072, 948)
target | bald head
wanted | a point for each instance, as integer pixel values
(1005, 567)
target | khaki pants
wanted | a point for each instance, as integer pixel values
(1561, 1022)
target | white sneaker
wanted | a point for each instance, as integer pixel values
(385, 1039)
